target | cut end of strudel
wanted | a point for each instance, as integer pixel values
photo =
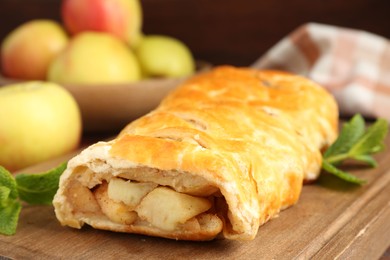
(224, 153)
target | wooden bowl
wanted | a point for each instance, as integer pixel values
(108, 108)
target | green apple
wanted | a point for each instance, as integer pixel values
(95, 58)
(27, 51)
(122, 18)
(164, 56)
(39, 121)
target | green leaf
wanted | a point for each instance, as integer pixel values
(9, 205)
(357, 143)
(368, 159)
(39, 188)
(4, 195)
(372, 141)
(7, 180)
(9, 216)
(350, 134)
(341, 174)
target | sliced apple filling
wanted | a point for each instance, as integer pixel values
(130, 193)
(116, 211)
(125, 202)
(166, 209)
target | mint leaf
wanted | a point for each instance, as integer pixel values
(341, 174)
(4, 195)
(39, 188)
(9, 216)
(372, 140)
(348, 137)
(9, 205)
(368, 159)
(7, 180)
(32, 188)
(357, 143)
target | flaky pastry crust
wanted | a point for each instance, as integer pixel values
(244, 139)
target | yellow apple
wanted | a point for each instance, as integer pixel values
(95, 58)
(38, 121)
(28, 50)
(164, 56)
(122, 18)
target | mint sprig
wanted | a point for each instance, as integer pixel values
(9, 205)
(39, 188)
(355, 142)
(31, 188)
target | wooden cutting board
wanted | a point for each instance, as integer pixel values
(333, 219)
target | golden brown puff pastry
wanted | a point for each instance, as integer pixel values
(220, 156)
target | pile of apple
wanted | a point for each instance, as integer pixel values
(99, 42)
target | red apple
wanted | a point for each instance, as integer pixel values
(29, 49)
(122, 18)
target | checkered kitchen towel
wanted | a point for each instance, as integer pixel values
(353, 65)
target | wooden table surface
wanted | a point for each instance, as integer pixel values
(332, 220)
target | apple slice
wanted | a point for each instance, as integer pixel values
(166, 209)
(82, 198)
(130, 193)
(116, 211)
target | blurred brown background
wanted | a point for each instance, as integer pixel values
(226, 31)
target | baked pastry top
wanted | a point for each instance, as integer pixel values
(238, 142)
